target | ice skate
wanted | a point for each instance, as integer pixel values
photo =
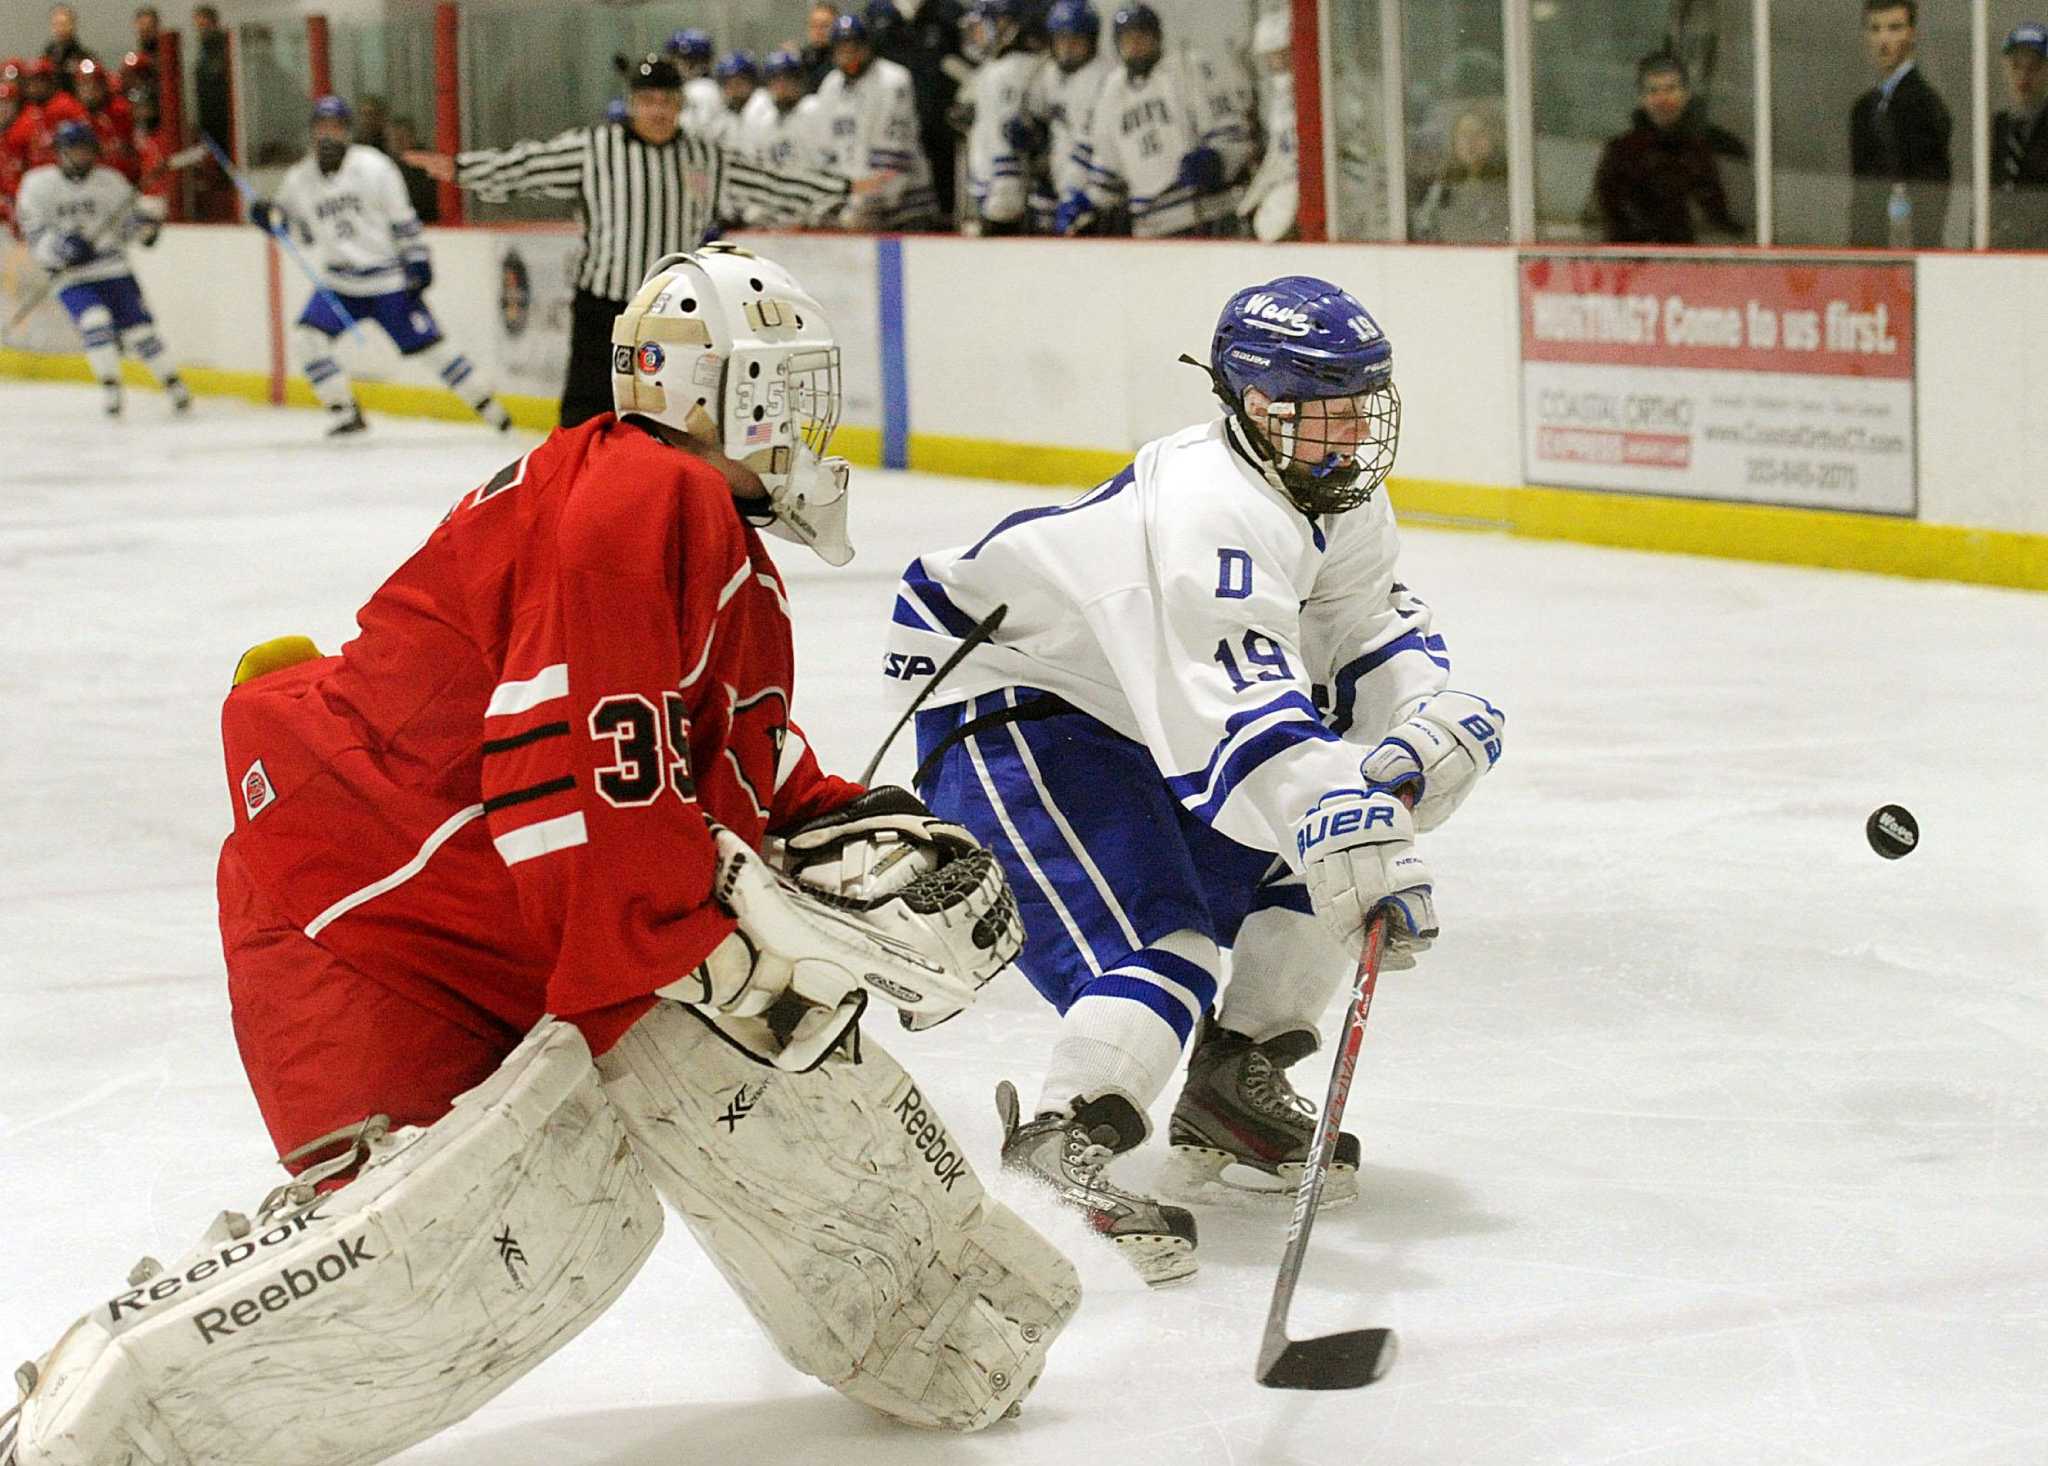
(1240, 1132)
(181, 395)
(344, 423)
(1068, 1150)
(110, 398)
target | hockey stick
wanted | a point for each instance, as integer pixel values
(284, 237)
(184, 158)
(1351, 1360)
(983, 630)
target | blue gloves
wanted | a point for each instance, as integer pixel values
(266, 216)
(1075, 213)
(1201, 170)
(74, 249)
(419, 273)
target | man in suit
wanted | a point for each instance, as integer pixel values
(2019, 145)
(1898, 134)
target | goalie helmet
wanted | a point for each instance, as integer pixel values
(728, 347)
(1308, 376)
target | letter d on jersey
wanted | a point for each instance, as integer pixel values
(1233, 574)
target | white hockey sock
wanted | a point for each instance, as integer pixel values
(1284, 970)
(460, 376)
(143, 343)
(1121, 1040)
(317, 360)
(102, 346)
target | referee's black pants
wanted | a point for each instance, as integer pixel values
(588, 388)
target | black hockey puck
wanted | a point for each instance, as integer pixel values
(1892, 831)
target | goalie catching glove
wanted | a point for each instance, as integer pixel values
(884, 900)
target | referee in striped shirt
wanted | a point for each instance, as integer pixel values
(645, 189)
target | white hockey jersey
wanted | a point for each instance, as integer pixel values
(1143, 127)
(868, 126)
(357, 220)
(998, 175)
(703, 100)
(1189, 605)
(1065, 102)
(51, 207)
(778, 139)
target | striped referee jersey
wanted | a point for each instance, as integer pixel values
(639, 201)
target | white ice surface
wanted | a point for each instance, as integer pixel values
(1703, 1136)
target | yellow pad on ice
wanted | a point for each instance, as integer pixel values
(274, 656)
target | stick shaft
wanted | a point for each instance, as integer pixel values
(983, 630)
(284, 237)
(1323, 1147)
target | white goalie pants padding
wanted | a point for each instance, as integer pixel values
(343, 1331)
(842, 1210)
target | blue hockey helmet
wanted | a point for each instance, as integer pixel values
(72, 133)
(782, 62)
(1134, 18)
(736, 63)
(334, 109)
(691, 44)
(1308, 375)
(852, 28)
(615, 110)
(1073, 18)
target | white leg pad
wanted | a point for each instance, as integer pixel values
(340, 1331)
(843, 1212)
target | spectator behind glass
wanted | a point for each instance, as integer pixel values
(401, 137)
(149, 29)
(63, 47)
(1468, 201)
(1898, 139)
(373, 116)
(2019, 145)
(1658, 183)
(817, 52)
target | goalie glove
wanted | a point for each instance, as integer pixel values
(1357, 850)
(1438, 754)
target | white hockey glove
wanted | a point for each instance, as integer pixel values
(1358, 854)
(1438, 754)
(877, 845)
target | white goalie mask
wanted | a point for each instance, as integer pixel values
(727, 347)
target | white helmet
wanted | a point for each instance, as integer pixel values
(727, 347)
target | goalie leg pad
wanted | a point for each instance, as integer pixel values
(340, 1328)
(843, 1211)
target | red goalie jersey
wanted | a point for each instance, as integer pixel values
(493, 803)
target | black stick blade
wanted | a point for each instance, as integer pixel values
(1347, 1361)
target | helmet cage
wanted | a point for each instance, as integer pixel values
(1330, 453)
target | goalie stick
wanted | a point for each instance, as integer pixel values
(981, 632)
(1354, 1359)
(184, 158)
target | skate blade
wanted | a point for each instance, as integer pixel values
(1159, 1260)
(1196, 1175)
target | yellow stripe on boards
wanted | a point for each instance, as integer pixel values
(1867, 542)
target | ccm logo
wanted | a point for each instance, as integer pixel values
(907, 668)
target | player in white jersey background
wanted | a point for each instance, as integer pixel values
(738, 78)
(348, 203)
(1272, 196)
(71, 214)
(702, 101)
(1189, 735)
(867, 129)
(1062, 102)
(1170, 140)
(779, 128)
(1001, 137)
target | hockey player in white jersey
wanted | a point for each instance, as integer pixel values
(71, 215)
(1062, 102)
(738, 79)
(1002, 139)
(1272, 197)
(1169, 141)
(779, 128)
(1189, 735)
(691, 51)
(867, 128)
(348, 203)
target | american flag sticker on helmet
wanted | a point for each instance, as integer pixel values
(758, 432)
(258, 793)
